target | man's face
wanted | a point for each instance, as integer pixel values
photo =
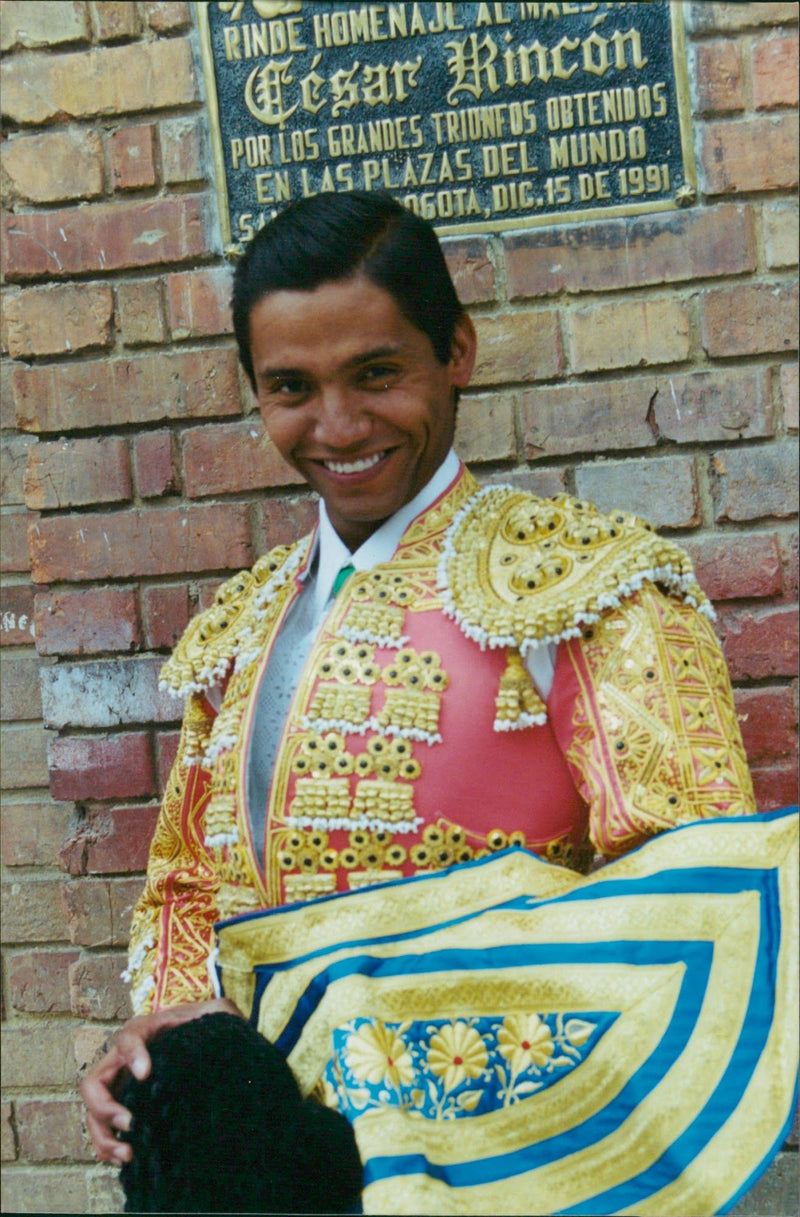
(353, 396)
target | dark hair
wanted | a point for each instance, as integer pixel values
(330, 237)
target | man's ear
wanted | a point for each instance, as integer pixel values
(465, 344)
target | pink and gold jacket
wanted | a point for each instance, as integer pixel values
(416, 740)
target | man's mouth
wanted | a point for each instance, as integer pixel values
(359, 466)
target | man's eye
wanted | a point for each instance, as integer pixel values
(289, 387)
(379, 374)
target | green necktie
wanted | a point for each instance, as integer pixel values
(342, 577)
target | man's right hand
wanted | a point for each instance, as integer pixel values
(128, 1051)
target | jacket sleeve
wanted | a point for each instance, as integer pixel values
(172, 932)
(643, 710)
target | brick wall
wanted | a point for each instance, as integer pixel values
(647, 363)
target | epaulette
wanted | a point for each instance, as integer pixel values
(223, 633)
(519, 571)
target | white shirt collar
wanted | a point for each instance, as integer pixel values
(333, 554)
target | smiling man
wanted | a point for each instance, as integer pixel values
(439, 671)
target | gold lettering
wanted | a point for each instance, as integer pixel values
(232, 38)
(470, 68)
(398, 26)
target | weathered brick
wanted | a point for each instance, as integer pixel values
(140, 313)
(131, 151)
(166, 612)
(518, 346)
(38, 23)
(586, 417)
(14, 554)
(703, 406)
(749, 154)
(38, 981)
(485, 428)
(32, 911)
(16, 614)
(749, 319)
(106, 693)
(166, 16)
(759, 643)
(717, 77)
(154, 454)
(105, 1191)
(38, 1189)
(755, 482)
(14, 450)
(90, 1046)
(284, 520)
(113, 392)
(110, 80)
(102, 767)
(110, 840)
(99, 910)
(183, 151)
(114, 19)
(774, 68)
(9, 1136)
(37, 1054)
(232, 456)
(768, 719)
(75, 472)
(780, 220)
(7, 369)
(791, 566)
(59, 320)
(104, 237)
(775, 786)
(471, 268)
(162, 541)
(52, 168)
(789, 394)
(86, 622)
(52, 1130)
(732, 566)
(662, 490)
(20, 695)
(33, 833)
(97, 989)
(198, 303)
(715, 17)
(167, 749)
(627, 333)
(24, 750)
(545, 483)
(611, 254)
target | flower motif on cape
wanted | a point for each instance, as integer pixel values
(525, 1040)
(457, 1052)
(377, 1054)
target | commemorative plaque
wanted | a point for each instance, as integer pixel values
(478, 116)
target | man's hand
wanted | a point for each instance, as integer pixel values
(105, 1116)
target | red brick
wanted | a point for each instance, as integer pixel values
(110, 80)
(545, 483)
(232, 456)
(791, 574)
(33, 833)
(156, 474)
(106, 693)
(285, 520)
(662, 490)
(789, 394)
(718, 77)
(759, 643)
(110, 840)
(754, 482)
(768, 719)
(775, 786)
(140, 313)
(732, 566)
(162, 541)
(90, 1046)
(715, 18)
(35, 23)
(166, 613)
(72, 473)
(9, 1136)
(99, 910)
(611, 254)
(166, 16)
(183, 151)
(102, 767)
(52, 1130)
(774, 67)
(20, 695)
(779, 217)
(485, 429)
(52, 168)
(38, 981)
(518, 346)
(112, 392)
(749, 154)
(16, 614)
(24, 751)
(59, 320)
(87, 622)
(749, 319)
(32, 911)
(167, 747)
(104, 237)
(37, 1189)
(97, 988)
(114, 20)
(586, 417)
(14, 554)
(471, 269)
(131, 151)
(627, 333)
(34, 1055)
(720, 405)
(198, 303)
(14, 450)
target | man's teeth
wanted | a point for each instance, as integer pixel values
(354, 466)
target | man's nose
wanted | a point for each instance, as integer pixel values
(340, 420)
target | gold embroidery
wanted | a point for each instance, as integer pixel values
(517, 703)
(308, 887)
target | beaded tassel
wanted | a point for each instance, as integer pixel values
(517, 704)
